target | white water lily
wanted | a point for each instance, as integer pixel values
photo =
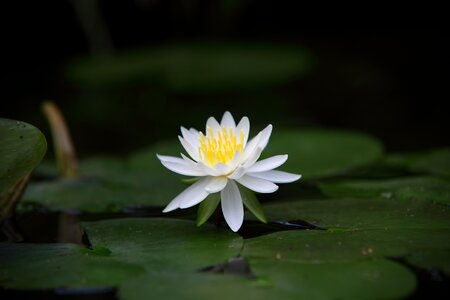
(221, 157)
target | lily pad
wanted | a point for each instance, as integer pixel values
(196, 67)
(22, 147)
(50, 266)
(375, 279)
(164, 243)
(107, 185)
(320, 153)
(409, 188)
(357, 229)
(434, 162)
(278, 279)
(122, 249)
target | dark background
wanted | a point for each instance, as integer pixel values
(389, 82)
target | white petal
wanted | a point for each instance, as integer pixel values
(189, 149)
(268, 163)
(253, 158)
(243, 125)
(265, 136)
(170, 158)
(194, 132)
(228, 121)
(213, 124)
(232, 207)
(238, 173)
(276, 176)
(251, 147)
(207, 170)
(216, 184)
(190, 138)
(194, 194)
(234, 162)
(221, 169)
(183, 168)
(187, 193)
(257, 184)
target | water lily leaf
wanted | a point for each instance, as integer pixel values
(277, 279)
(164, 243)
(207, 207)
(319, 153)
(22, 147)
(357, 229)
(431, 261)
(345, 246)
(49, 266)
(196, 67)
(357, 214)
(433, 162)
(409, 188)
(107, 185)
(374, 279)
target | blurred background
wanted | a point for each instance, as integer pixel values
(129, 73)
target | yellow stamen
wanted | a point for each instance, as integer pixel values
(220, 146)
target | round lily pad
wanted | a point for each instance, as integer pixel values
(320, 153)
(164, 243)
(196, 67)
(408, 188)
(278, 279)
(106, 185)
(51, 266)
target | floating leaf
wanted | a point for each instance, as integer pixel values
(196, 67)
(409, 188)
(277, 279)
(357, 229)
(164, 243)
(50, 266)
(433, 162)
(319, 153)
(107, 185)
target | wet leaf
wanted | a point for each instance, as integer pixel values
(49, 266)
(408, 188)
(164, 243)
(277, 279)
(358, 229)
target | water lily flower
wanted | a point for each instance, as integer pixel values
(220, 157)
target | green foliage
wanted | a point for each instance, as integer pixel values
(22, 147)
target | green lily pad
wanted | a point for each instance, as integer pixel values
(107, 185)
(357, 229)
(22, 147)
(122, 249)
(410, 188)
(357, 214)
(319, 153)
(277, 279)
(433, 162)
(375, 279)
(196, 67)
(49, 266)
(164, 243)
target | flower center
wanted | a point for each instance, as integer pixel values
(220, 146)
